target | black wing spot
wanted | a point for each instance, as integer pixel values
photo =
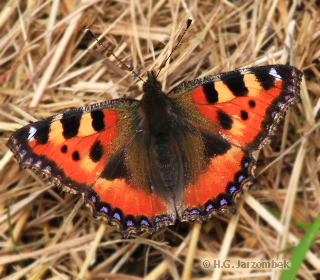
(64, 149)
(70, 124)
(96, 151)
(75, 156)
(236, 85)
(244, 115)
(97, 120)
(210, 92)
(115, 167)
(42, 134)
(266, 80)
(225, 120)
(252, 104)
(214, 145)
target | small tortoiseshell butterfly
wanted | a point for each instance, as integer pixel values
(187, 154)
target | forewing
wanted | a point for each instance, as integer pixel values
(244, 106)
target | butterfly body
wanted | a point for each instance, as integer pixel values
(155, 108)
(187, 154)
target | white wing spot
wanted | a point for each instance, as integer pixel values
(32, 132)
(273, 72)
(244, 71)
(58, 117)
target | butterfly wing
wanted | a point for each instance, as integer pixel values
(244, 106)
(85, 151)
(235, 113)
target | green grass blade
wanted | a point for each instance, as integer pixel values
(300, 251)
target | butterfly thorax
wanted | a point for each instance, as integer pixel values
(155, 108)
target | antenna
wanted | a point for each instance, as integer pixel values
(110, 52)
(184, 32)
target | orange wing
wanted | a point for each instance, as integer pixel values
(243, 106)
(236, 113)
(83, 151)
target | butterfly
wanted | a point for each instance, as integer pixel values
(186, 154)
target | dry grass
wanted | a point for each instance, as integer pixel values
(49, 64)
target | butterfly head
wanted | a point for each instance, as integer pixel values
(152, 85)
